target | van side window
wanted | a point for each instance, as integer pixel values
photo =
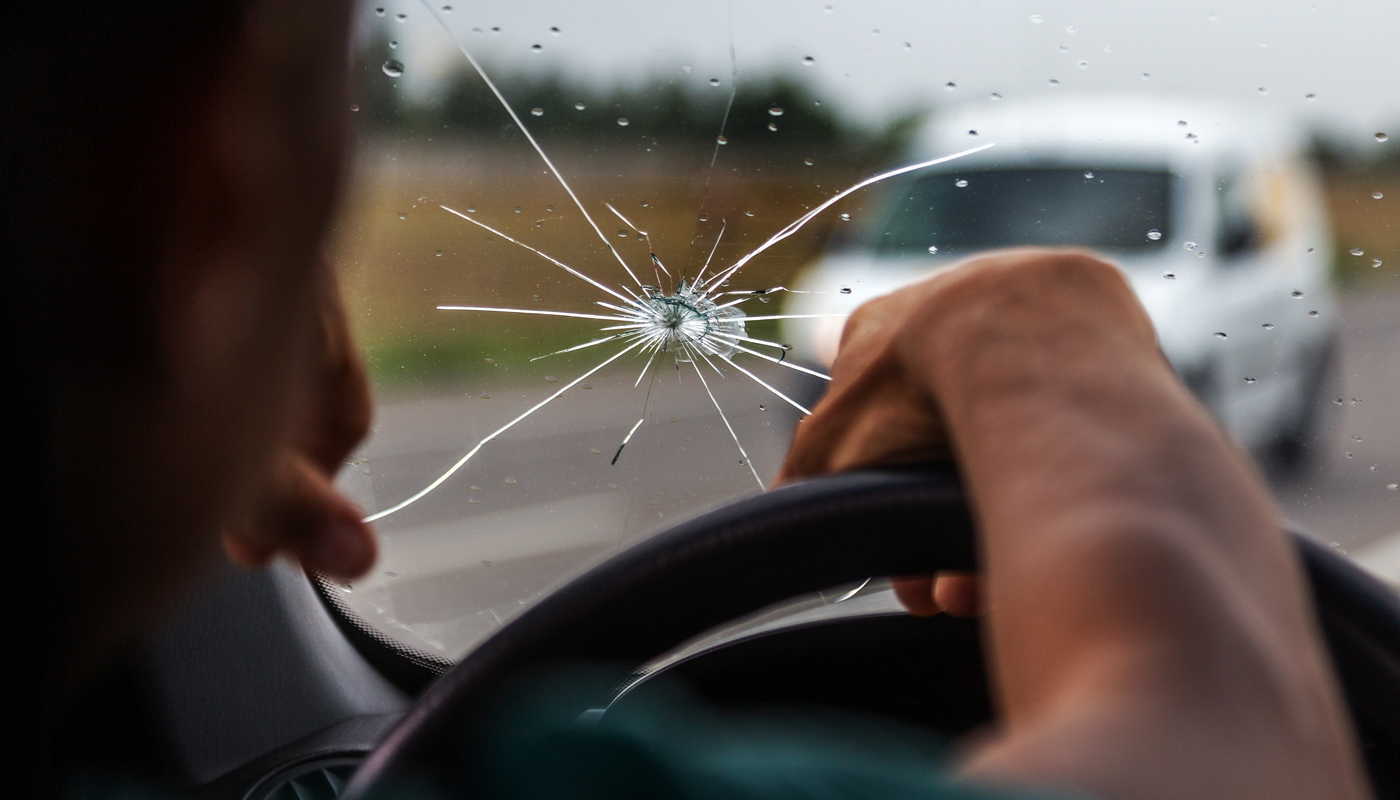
(1236, 230)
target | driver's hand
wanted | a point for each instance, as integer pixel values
(883, 410)
(298, 510)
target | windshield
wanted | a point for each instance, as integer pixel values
(599, 257)
(964, 212)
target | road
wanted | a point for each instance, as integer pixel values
(543, 500)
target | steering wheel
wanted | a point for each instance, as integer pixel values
(806, 537)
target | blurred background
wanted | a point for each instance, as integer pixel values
(630, 101)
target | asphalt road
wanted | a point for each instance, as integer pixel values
(543, 500)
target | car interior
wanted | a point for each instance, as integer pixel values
(584, 536)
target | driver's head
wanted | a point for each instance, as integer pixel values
(174, 169)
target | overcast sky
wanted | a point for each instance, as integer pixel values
(1341, 51)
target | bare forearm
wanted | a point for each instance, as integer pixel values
(1133, 565)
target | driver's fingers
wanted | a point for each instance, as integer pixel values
(957, 593)
(303, 514)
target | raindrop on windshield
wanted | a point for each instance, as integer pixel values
(1083, 65)
(438, 254)
(471, 209)
(950, 86)
(722, 140)
(401, 18)
(1147, 76)
(775, 111)
(714, 81)
(1171, 276)
(1037, 19)
(393, 68)
(550, 378)
(379, 12)
(808, 61)
(1054, 82)
(579, 105)
(1089, 175)
(1189, 245)
(1356, 251)
(762, 407)
(1381, 137)
(1263, 90)
(845, 290)
(772, 126)
(994, 96)
(1310, 96)
(932, 249)
(845, 217)
(403, 215)
(961, 183)
(1250, 380)
(808, 161)
(519, 210)
(554, 30)
(510, 481)
(393, 45)
(1297, 294)
(1268, 326)
(622, 232)
(622, 121)
(1154, 234)
(1375, 262)
(704, 217)
(536, 48)
(539, 112)
(1312, 313)
(1392, 486)
(354, 106)
(1376, 195)
(1221, 335)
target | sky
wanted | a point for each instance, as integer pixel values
(874, 60)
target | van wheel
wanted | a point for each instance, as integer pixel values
(1298, 444)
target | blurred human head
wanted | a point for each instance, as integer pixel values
(177, 165)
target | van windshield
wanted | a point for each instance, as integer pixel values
(1117, 210)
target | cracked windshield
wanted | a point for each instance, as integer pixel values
(599, 257)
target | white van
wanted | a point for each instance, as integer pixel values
(1216, 217)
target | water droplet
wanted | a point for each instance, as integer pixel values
(496, 30)
(1312, 249)
(1268, 326)
(808, 161)
(932, 249)
(490, 361)
(623, 121)
(1392, 486)
(1147, 76)
(1376, 195)
(447, 9)
(828, 9)
(393, 69)
(1356, 251)
(438, 254)
(550, 209)
(354, 106)
(950, 87)
(845, 217)
(845, 290)
(908, 46)
(1083, 65)
(1070, 29)
(1054, 82)
(674, 419)
(1250, 380)
(1297, 294)
(1154, 234)
(1263, 90)
(1036, 19)
(1189, 245)
(704, 217)
(1381, 137)
(994, 96)
(595, 451)
(471, 209)
(535, 48)
(1310, 96)
(776, 111)
(1221, 335)
(972, 133)
(1089, 175)
(403, 215)
(1375, 262)
(714, 81)
(686, 68)
(1356, 438)
(345, 587)
(1181, 123)
(722, 139)
(393, 45)
(401, 18)
(808, 61)
(1171, 276)
(554, 30)
(762, 407)
(379, 12)
(645, 204)
(1312, 313)
(961, 183)
(772, 127)
(519, 210)
(539, 112)
(484, 395)
(749, 214)
(622, 232)
(510, 481)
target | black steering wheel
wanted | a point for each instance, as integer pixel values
(803, 538)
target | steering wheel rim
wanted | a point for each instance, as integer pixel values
(808, 536)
